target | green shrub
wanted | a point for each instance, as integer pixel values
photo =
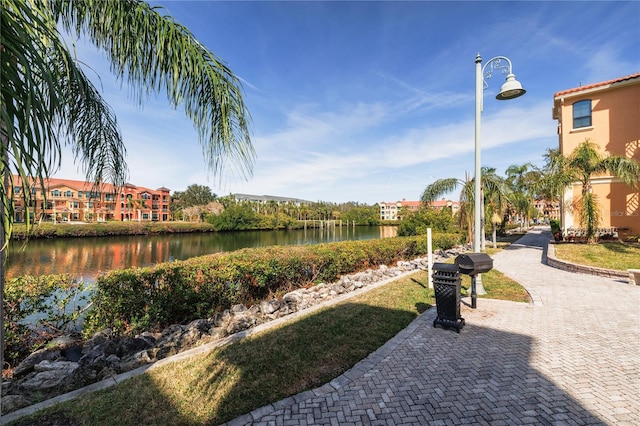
(138, 299)
(49, 230)
(54, 302)
(417, 223)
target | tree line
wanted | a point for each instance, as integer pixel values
(198, 203)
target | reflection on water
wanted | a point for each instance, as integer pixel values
(87, 257)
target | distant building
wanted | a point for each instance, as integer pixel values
(393, 210)
(263, 199)
(547, 209)
(608, 113)
(65, 200)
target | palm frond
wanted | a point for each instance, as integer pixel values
(625, 169)
(153, 53)
(437, 189)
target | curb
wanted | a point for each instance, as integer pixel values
(554, 262)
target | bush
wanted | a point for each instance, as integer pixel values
(60, 230)
(417, 223)
(132, 300)
(54, 302)
(556, 231)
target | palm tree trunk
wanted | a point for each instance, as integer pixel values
(4, 175)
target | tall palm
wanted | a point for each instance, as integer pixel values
(495, 197)
(581, 166)
(522, 181)
(492, 185)
(47, 101)
(444, 186)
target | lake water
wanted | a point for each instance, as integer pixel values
(88, 257)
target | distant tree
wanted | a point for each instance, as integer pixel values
(362, 215)
(417, 223)
(523, 182)
(192, 214)
(491, 184)
(236, 217)
(444, 186)
(194, 195)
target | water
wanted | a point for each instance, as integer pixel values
(85, 258)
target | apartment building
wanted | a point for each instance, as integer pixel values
(65, 200)
(394, 210)
(547, 209)
(608, 113)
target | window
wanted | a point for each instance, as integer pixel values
(79, 194)
(582, 114)
(68, 194)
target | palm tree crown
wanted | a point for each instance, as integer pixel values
(46, 100)
(582, 165)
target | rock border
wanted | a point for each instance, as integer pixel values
(69, 368)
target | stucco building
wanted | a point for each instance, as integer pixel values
(607, 113)
(394, 210)
(65, 200)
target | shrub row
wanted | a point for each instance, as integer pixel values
(49, 230)
(132, 300)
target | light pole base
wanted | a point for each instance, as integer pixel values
(479, 287)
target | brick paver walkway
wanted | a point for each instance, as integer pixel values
(572, 357)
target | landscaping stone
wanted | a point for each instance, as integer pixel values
(68, 364)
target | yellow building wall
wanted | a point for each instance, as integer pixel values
(616, 130)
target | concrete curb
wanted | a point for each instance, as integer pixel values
(553, 261)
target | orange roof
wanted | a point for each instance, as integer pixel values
(443, 203)
(80, 185)
(596, 85)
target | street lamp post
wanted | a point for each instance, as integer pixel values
(510, 89)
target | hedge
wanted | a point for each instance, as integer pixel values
(132, 300)
(99, 229)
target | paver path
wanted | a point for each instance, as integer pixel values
(572, 357)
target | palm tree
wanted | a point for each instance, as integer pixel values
(491, 184)
(47, 100)
(522, 181)
(581, 166)
(441, 187)
(495, 197)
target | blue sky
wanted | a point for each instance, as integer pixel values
(373, 101)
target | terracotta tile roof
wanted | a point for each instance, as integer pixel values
(596, 85)
(80, 185)
(443, 203)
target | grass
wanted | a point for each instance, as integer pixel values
(262, 369)
(611, 255)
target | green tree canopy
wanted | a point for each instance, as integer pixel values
(194, 195)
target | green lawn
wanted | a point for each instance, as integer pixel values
(614, 255)
(282, 361)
